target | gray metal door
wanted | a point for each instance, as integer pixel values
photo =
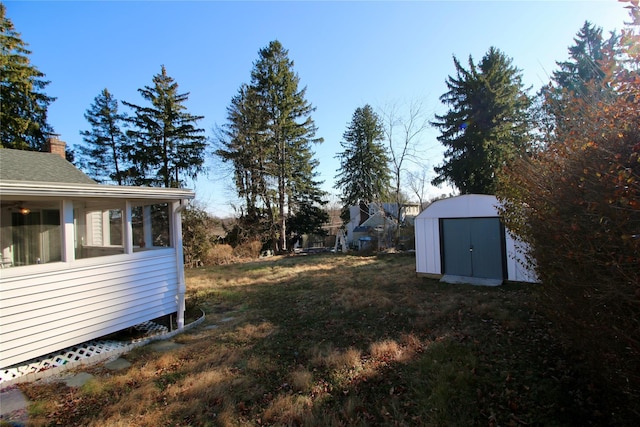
(473, 247)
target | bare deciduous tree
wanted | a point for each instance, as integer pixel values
(403, 129)
(417, 183)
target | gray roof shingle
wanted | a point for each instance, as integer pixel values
(19, 165)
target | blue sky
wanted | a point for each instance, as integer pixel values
(347, 54)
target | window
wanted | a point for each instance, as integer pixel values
(30, 234)
(150, 226)
(98, 232)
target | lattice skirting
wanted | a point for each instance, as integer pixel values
(77, 353)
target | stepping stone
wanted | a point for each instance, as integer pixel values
(164, 345)
(118, 364)
(77, 380)
(11, 401)
(211, 327)
(227, 319)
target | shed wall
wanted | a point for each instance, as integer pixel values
(64, 304)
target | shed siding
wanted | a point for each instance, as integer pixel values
(72, 303)
(427, 259)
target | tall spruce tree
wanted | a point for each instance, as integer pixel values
(580, 76)
(165, 143)
(23, 103)
(364, 175)
(290, 131)
(104, 155)
(243, 145)
(586, 59)
(268, 138)
(486, 125)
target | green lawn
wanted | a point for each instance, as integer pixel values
(345, 341)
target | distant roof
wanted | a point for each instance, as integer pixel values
(20, 165)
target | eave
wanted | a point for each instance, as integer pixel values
(32, 190)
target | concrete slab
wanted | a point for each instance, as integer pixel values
(77, 380)
(11, 401)
(449, 278)
(164, 345)
(118, 364)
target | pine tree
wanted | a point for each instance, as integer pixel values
(23, 106)
(242, 144)
(586, 59)
(579, 76)
(290, 131)
(487, 123)
(268, 139)
(104, 155)
(364, 175)
(165, 142)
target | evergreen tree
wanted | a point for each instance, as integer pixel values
(308, 219)
(23, 106)
(487, 123)
(104, 156)
(290, 131)
(268, 139)
(364, 175)
(579, 76)
(242, 144)
(586, 59)
(165, 142)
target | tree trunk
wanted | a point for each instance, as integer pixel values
(283, 219)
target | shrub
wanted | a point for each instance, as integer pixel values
(197, 235)
(219, 254)
(248, 250)
(577, 205)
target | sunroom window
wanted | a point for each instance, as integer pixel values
(150, 226)
(98, 232)
(30, 233)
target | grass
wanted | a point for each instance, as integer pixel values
(340, 340)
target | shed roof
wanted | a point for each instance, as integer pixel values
(463, 206)
(33, 166)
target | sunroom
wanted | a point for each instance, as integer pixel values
(79, 259)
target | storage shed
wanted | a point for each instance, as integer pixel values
(462, 240)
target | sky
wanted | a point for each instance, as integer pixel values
(347, 55)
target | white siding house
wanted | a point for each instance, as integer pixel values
(463, 238)
(376, 215)
(81, 260)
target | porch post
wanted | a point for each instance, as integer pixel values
(67, 232)
(176, 225)
(127, 228)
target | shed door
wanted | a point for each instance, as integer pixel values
(473, 247)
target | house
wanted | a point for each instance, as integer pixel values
(377, 221)
(462, 239)
(81, 260)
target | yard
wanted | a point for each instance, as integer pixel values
(342, 340)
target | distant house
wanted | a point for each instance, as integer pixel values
(462, 239)
(375, 225)
(79, 259)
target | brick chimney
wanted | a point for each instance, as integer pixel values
(56, 146)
